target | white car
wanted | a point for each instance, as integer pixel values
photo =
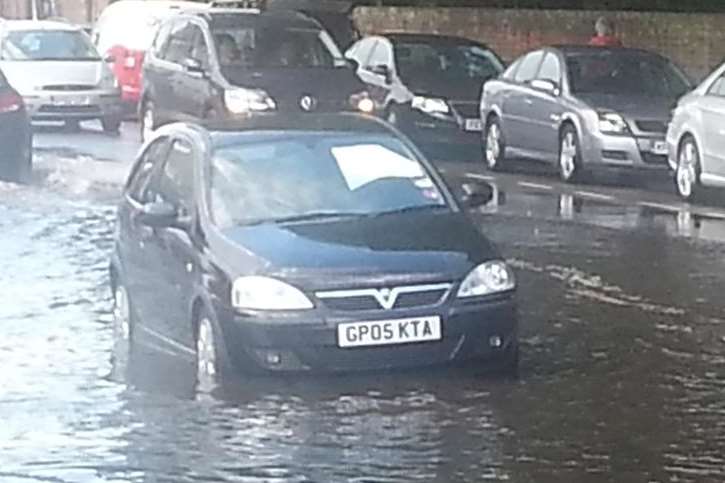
(59, 73)
(696, 137)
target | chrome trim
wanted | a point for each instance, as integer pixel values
(386, 297)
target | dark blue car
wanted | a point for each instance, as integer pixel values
(306, 243)
(16, 139)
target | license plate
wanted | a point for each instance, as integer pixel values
(389, 332)
(70, 101)
(473, 125)
(659, 147)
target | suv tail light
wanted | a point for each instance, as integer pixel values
(10, 102)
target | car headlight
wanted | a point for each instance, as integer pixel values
(241, 101)
(362, 102)
(486, 279)
(612, 123)
(430, 105)
(265, 293)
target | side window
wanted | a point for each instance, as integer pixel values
(139, 179)
(511, 70)
(718, 88)
(550, 69)
(200, 48)
(180, 42)
(176, 180)
(361, 51)
(161, 40)
(529, 66)
(380, 55)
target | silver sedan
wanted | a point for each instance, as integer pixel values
(581, 109)
(696, 137)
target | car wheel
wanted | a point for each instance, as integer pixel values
(570, 162)
(687, 175)
(122, 328)
(148, 120)
(212, 362)
(494, 148)
(111, 125)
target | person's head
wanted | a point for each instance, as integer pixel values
(227, 48)
(604, 27)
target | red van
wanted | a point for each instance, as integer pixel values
(124, 31)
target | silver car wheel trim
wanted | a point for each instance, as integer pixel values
(686, 170)
(121, 314)
(205, 351)
(148, 123)
(493, 145)
(568, 155)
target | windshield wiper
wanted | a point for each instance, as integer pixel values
(412, 208)
(311, 216)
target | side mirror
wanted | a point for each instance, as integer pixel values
(193, 66)
(159, 214)
(383, 71)
(110, 59)
(353, 64)
(546, 85)
(476, 194)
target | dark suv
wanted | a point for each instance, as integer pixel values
(221, 63)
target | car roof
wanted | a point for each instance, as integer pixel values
(322, 123)
(587, 49)
(224, 17)
(28, 25)
(428, 38)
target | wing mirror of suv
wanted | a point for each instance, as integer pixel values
(194, 67)
(475, 194)
(110, 59)
(161, 214)
(546, 85)
(383, 71)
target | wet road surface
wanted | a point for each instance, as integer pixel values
(623, 370)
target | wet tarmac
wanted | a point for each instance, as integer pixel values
(623, 363)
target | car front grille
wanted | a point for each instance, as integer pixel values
(654, 159)
(395, 298)
(69, 110)
(69, 87)
(651, 126)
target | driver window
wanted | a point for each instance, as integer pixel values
(139, 179)
(380, 55)
(180, 42)
(718, 88)
(175, 183)
(200, 49)
(528, 67)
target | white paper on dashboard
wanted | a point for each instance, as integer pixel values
(361, 164)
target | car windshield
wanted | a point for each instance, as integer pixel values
(63, 45)
(629, 74)
(449, 61)
(286, 176)
(246, 46)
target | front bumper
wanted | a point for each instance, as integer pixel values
(73, 105)
(311, 345)
(633, 151)
(428, 130)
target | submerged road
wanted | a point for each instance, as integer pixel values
(623, 364)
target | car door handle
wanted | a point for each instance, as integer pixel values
(555, 117)
(528, 101)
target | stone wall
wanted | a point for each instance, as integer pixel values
(694, 41)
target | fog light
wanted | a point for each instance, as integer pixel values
(495, 341)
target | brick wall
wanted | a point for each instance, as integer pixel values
(694, 41)
(79, 11)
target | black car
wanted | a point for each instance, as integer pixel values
(306, 243)
(429, 85)
(221, 63)
(16, 138)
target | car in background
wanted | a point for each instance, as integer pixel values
(581, 109)
(124, 32)
(221, 63)
(306, 242)
(16, 136)
(427, 85)
(59, 73)
(696, 137)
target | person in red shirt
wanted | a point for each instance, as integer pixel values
(605, 36)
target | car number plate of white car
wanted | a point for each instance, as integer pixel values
(70, 101)
(389, 332)
(659, 147)
(473, 125)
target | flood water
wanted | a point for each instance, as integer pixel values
(623, 370)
